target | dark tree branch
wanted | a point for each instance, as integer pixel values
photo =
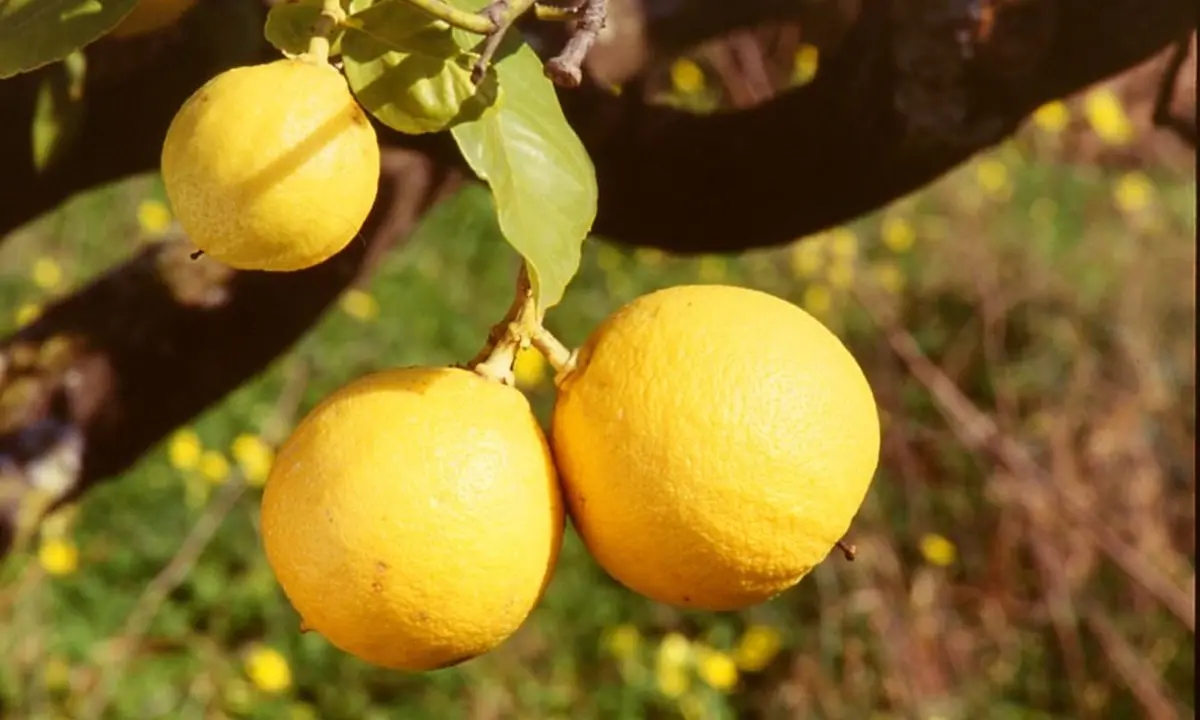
(157, 340)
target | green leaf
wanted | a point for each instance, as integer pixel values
(58, 109)
(542, 179)
(289, 27)
(34, 33)
(407, 70)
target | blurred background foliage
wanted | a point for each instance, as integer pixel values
(1052, 299)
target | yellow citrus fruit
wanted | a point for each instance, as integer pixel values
(714, 443)
(271, 166)
(149, 16)
(414, 517)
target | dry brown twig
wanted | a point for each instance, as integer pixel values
(979, 433)
(1143, 681)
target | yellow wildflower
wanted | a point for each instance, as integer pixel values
(686, 76)
(938, 550)
(184, 448)
(1132, 192)
(1052, 117)
(807, 257)
(672, 681)
(992, 176)
(56, 674)
(47, 273)
(805, 64)
(268, 669)
(623, 640)
(253, 457)
(27, 313)
(529, 370)
(843, 243)
(153, 217)
(58, 556)
(1106, 116)
(675, 650)
(817, 299)
(757, 647)
(717, 670)
(897, 233)
(213, 466)
(360, 305)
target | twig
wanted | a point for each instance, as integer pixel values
(565, 69)
(501, 329)
(502, 13)
(1163, 117)
(1143, 681)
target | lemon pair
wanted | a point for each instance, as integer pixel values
(711, 446)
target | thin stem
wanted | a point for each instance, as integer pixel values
(461, 19)
(503, 13)
(332, 15)
(566, 69)
(560, 357)
(521, 327)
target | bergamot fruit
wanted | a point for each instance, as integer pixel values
(413, 518)
(272, 166)
(714, 444)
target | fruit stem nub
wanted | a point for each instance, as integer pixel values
(521, 327)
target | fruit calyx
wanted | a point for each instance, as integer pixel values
(520, 328)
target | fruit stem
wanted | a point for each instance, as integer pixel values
(332, 15)
(521, 327)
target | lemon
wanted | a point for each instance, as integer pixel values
(271, 166)
(148, 16)
(413, 518)
(714, 443)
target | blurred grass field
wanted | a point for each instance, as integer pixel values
(1059, 300)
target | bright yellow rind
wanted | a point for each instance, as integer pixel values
(272, 166)
(714, 443)
(414, 518)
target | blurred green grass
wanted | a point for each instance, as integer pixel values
(1059, 299)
